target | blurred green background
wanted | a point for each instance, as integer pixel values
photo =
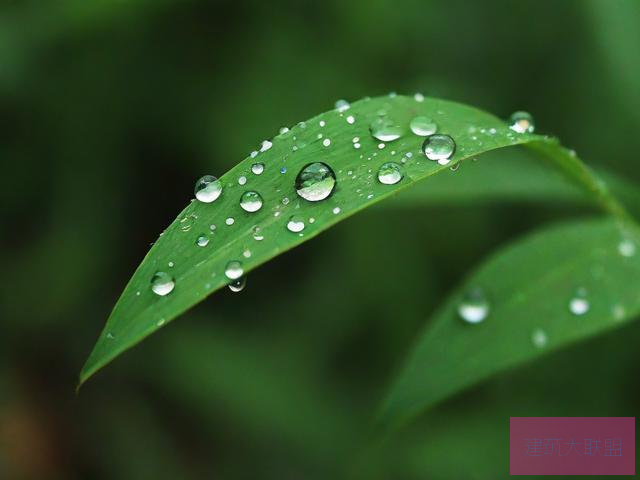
(109, 111)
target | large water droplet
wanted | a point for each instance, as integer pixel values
(238, 284)
(208, 189)
(234, 270)
(439, 148)
(257, 168)
(251, 201)
(423, 126)
(202, 240)
(521, 122)
(385, 130)
(162, 283)
(295, 224)
(390, 173)
(315, 182)
(579, 304)
(474, 307)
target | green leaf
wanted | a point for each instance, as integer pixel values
(529, 287)
(200, 271)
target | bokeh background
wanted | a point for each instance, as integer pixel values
(110, 109)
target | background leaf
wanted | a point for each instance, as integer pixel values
(529, 287)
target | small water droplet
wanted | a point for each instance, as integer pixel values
(257, 168)
(539, 338)
(283, 130)
(326, 142)
(627, 248)
(336, 210)
(439, 148)
(110, 336)
(295, 224)
(423, 126)
(315, 182)
(418, 97)
(208, 188)
(385, 130)
(162, 283)
(283, 170)
(202, 240)
(521, 122)
(187, 222)
(242, 180)
(238, 284)
(474, 307)
(234, 270)
(246, 253)
(251, 201)
(342, 105)
(351, 119)
(579, 304)
(390, 173)
(230, 221)
(257, 233)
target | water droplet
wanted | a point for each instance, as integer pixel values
(266, 145)
(423, 126)
(521, 122)
(283, 170)
(539, 338)
(110, 336)
(229, 221)
(385, 130)
(351, 119)
(187, 222)
(315, 182)
(246, 253)
(579, 305)
(474, 307)
(336, 210)
(242, 180)
(418, 97)
(162, 283)
(257, 168)
(233, 270)
(390, 173)
(322, 123)
(202, 240)
(342, 105)
(618, 312)
(295, 224)
(238, 284)
(627, 248)
(251, 201)
(257, 233)
(208, 189)
(439, 148)
(283, 130)
(326, 142)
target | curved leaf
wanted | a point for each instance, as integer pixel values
(330, 138)
(529, 287)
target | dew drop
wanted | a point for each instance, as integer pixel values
(208, 189)
(439, 148)
(390, 173)
(257, 168)
(242, 180)
(229, 221)
(521, 122)
(627, 248)
(418, 97)
(202, 240)
(251, 201)
(336, 210)
(266, 145)
(257, 234)
(315, 182)
(326, 142)
(162, 283)
(342, 105)
(233, 270)
(539, 338)
(385, 130)
(238, 284)
(351, 119)
(295, 224)
(423, 126)
(579, 305)
(474, 307)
